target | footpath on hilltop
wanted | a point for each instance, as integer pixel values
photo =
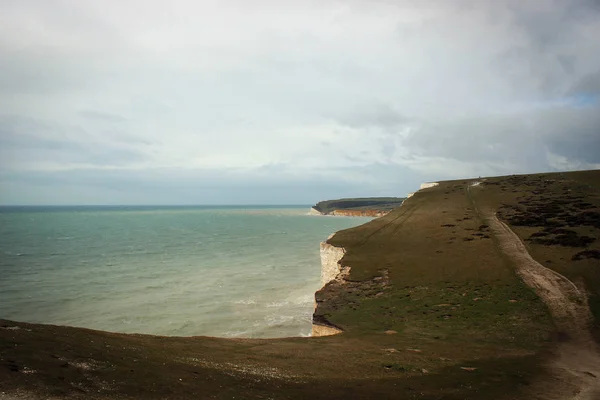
(472, 289)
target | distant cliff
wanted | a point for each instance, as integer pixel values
(358, 207)
(433, 301)
(332, 269)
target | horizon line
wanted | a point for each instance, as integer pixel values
(156, 205)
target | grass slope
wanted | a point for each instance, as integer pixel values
(431, 310)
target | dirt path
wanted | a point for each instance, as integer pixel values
(578, 356)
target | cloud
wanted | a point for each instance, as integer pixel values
(372, 95)
(102, 116)
(587, 85)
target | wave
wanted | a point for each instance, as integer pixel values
(278, 304)
(245, 301)
(195, 273)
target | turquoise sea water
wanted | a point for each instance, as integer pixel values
(218, 271)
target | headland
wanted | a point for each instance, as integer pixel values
(357, 207)
(472, 289)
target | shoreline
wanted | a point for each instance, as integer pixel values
(332, 269)
(425, 301)
(277, 301)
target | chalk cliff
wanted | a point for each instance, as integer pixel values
(350, 213)
(428, 185)
(359, 213)
(314, 211)
(332, 268)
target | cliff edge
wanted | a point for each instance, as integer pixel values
(332, 269)
(480, 292)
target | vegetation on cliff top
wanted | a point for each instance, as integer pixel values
(432, 308)
(359, 204)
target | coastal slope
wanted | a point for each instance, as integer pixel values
(472, 289)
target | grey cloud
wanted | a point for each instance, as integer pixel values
(102, 116)
(24, 140)
(501, 141)
(37, 74)
(520, 139)
(552, 31)
(567, 62)
(549, 23)
(355, 98)
(586, 151)
(575, 135)
(194, 187)
(27, 132)
(379, 116)
(588, 85)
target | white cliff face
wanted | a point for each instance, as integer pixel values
(314, 211)
(427, 185)
(330, 262)
(331, 269)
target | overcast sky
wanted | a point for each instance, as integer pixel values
(275, 102)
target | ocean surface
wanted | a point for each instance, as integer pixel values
(180, 271)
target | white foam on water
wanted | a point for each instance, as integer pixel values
(244, 301)
(229, 273)
(278, 304)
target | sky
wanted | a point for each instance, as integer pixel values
(289, 102)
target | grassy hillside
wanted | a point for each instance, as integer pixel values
(433, 308)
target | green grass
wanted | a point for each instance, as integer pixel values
(558, 197)
(482, 311)
(426, 270)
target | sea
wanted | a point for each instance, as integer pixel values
(228, 271)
